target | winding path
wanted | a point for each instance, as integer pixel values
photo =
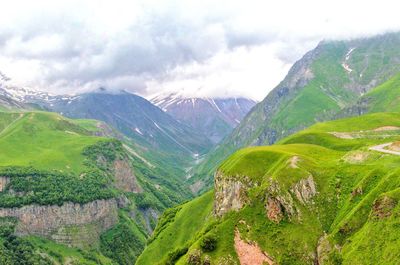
(381, 148)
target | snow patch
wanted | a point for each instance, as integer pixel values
(138, 131)
(346, 59)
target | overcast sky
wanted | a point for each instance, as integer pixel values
(200, 48)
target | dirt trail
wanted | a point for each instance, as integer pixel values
(293, 161)
(381, 148)
(250, 253)
(11, 123)
(387, 128)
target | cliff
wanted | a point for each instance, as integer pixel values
(71, 224)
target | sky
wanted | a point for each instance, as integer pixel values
(206, 48)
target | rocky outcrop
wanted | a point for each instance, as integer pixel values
(72, 224)
(323, 249)
(274, 210)
(230, 194)
(279, 203)
(3, 182)
(150, 216)
(125, 179)
(383, 207)
(305, 190)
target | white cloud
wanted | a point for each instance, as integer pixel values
(201, 48)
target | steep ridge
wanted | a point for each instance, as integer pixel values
(318, 87)
(320, 196)
(214, 118)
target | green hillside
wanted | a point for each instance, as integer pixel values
(385, 97)
(43, 141)
(50, 160)
(321, 195)
(320, 86)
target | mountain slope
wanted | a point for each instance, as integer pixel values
(384, 97)
(6, 101)
(214, 118)
(61, 185)
(320, 196)
(137, 118)
(325, 81)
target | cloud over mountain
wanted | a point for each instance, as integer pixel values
(203, 47)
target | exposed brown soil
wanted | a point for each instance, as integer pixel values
(383, 207)
(394, 146)
(343, 135)
(356, 157)
(250, 253)
(387, 128)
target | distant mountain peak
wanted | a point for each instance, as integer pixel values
(214, 117)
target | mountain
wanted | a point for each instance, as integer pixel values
(329, 194)
(385, 97)
(136, 118)
(155, 136)
(72, 195)
(214, 118)
(7, 101)
(318, 87)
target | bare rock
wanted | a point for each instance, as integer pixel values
(3, 182)
(274, 210)
(125, 179)
(280, 203)
(230, 194)
(305, 190)
(72, 224)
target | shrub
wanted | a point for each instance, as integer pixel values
(173, 256)
(208, 243)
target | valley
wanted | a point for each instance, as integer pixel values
(308, 175)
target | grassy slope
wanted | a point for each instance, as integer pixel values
(346, 216)
(49, 142)
(43, 140)
(385, 97)
(330, 90)
(177, 231)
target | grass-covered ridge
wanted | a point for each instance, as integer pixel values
(321, 86)
(43, 140)
(351, 217)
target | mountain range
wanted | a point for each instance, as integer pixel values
(215, 118)
(309, 175)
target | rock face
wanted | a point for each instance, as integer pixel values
(304, 190)
(274, 210)
(71, 224)
(3, 182)
(125, 179)
(229, 194)
(279, 203)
